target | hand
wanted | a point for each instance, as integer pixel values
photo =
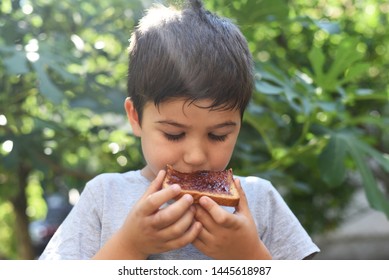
(150, 229)
(228, 236)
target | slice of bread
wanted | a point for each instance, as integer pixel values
(217, 185)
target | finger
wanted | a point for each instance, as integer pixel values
(202, 239)
(199, 244)
(188, 237)
(218, 214)
(178, 228)
(156, 184)
(204, 218)
(242, 207)
(172, 213)
(205, 235)
(154, 201)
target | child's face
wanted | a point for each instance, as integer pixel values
(185, 135)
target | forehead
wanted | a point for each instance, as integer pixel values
(183, 109)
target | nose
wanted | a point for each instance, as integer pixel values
(195, 154)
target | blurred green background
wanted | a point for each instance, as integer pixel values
(318, 126)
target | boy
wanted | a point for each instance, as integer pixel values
(190, 79)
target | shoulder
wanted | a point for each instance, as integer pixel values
(115, 181)
(115, 178)
(110, 188)
(263, 198)
(256, 182)
(258, 187)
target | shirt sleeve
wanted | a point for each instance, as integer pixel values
(279, 228)
(78, 237)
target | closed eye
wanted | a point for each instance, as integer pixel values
(174, 137)
(219, 138)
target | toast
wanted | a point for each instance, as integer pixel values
(217, 185)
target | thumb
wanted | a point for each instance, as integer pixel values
(243, 206)
(156, 184)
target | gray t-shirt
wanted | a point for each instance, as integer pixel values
(108, 198)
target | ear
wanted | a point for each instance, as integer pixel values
(133, 117)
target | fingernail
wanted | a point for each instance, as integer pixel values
(203, 200)
(175, 188)
(188, 198)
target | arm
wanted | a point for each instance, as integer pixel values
(228, 236)
(150, 229)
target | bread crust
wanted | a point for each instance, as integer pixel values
(230, 198)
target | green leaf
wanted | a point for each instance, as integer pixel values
(330, 27)
(317, 59)
(16, 63)
(332, 168)
(268, 88)
(269, 10)
(355, 71)
(259, 127)
(344, 62)
(374, 195)
(331, 161)
(259, 10)
(377, 156)
(270, 73)
(345, 57)
(46, 86)
(56, 63)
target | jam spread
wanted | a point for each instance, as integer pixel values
(203, 181)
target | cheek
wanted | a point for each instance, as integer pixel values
(221, 155)
(157, 152)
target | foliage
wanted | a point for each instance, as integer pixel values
(321, 104)
(320, 109)
(62, 95)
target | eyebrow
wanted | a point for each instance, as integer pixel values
(180, 125)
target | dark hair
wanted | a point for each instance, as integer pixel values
(189, 53)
